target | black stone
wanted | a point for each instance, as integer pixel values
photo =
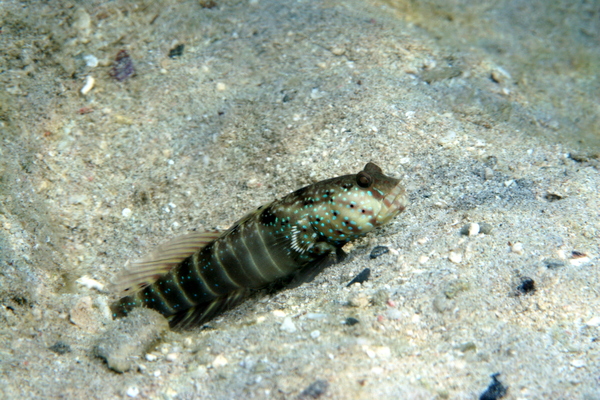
(363, 276)
(495, 391)
(60, 347)
(315, 390)
(526, 286)
(351, 321)
(176, 51)
(378, 251)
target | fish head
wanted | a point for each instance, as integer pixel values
(350, 206)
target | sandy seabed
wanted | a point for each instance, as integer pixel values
(487, 112)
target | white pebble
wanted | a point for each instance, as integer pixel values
(393, 313)
(316, 316)
(288, 325)
(423, 259)
(219, 361)
(595, 321)
(517, 248)
(90, 283)
(221, 86)
(156, 373)
(473, 229)
(89, 85)
(455, 257)
(172, 357)
(91, 61)
(151, 357)
(132, 391)
(578, 363)
(315, 334)
(126, 213)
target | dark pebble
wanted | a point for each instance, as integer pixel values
(495, 391)
(485, 228)
(577, 254)
(60, 347)
(552, 197)
(314, 390)
(551, 263)
(363, 276)
(378, 251)
(526, 286)
(351, 321)
(176, 51)
(123, 66)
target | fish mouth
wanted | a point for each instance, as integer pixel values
(393, 204)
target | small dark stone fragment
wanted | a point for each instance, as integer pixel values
(176, 51)
(363, 276)
(60, 347)
(551, 263)
(351, 321)
(485, 228)
(577, 254)
(123, 66)
(208, 3)
(314, 390)
(495, 391)
(378, 251)
(553, 197)
(526, 286)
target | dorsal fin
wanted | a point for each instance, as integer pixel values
(146, 271)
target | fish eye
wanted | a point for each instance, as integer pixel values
(363, 179)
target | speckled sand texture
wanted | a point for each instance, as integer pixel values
(487, 111)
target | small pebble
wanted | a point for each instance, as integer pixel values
(219, 361)
(172, 357)
(315, 390)
(350, 321)
(123, 66)
(316, 316)
(378, 251)
(60, 347)
(126, 213)
(551, 263)
(495, 391)
(363, 276)
(595, 321)
(578, 363)
(526, 286)
(90, 61)
(221, 87)
(470, 229)
(151, 357)
(393, 313)
(89, 85)
(130, 337)
(288, 325)
(132, 391)
(358, 300)
(90, 283)
(423, 259)
(517, 248)
(176, 51)
(315, 334)
(338, 51)
(485, 228)
(455, 257)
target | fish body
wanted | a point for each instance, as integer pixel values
(286, 242)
